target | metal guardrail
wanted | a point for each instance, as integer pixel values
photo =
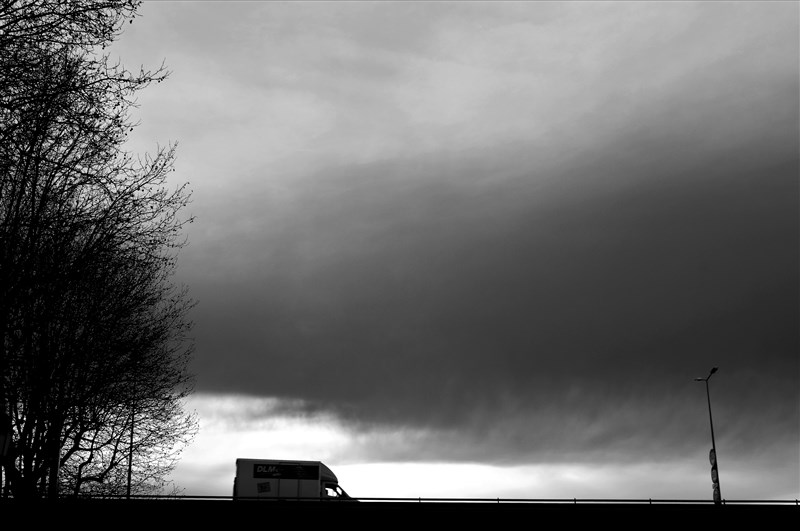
(550, 501)
(586, 501)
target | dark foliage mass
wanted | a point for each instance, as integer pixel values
(95, 347)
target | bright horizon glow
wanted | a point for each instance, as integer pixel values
(229, 430)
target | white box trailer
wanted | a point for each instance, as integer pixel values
(272, 478)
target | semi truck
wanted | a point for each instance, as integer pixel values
(281, 479)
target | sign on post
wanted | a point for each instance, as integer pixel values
(712, 458)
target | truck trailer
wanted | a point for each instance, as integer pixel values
(280, 479)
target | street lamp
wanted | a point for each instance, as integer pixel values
(712, 456)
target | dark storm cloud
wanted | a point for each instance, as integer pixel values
(435, 296)
(482, 234)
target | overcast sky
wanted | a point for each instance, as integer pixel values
(484, 248)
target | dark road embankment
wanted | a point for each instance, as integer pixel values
(202, 512)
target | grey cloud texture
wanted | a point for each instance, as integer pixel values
(490, 231)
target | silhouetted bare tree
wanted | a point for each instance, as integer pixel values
(94, 354)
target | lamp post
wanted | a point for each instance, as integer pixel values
(712, 456)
